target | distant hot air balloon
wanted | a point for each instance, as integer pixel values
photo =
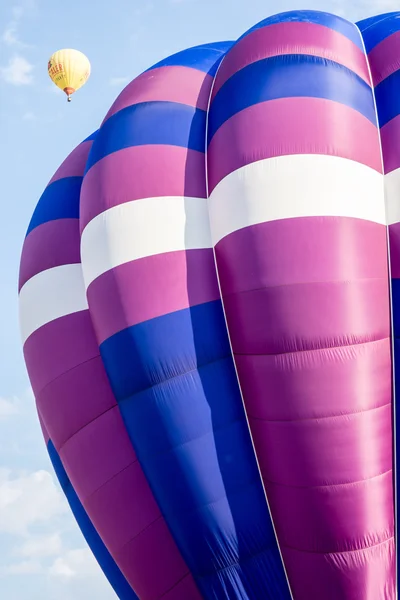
(207, 314)
(69, 70)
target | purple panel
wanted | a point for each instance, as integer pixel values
(385, 58)
(74, 164)
(62, 236)
(129, 174)
(321, 384)
(97, 453)
(186, 278)
(299, 238)
(70, 403)
(394, 237)
(292, 126)
(154, 546)
(336, 319)
(390, 135)
(292, 38)
(56, 348)
(166, 84)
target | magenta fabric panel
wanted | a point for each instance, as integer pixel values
(274, 128)
(384, 58)
(307, 306)
(292, 38)
(167, 84)
(128, 174)
(61, 234)
(186, 278)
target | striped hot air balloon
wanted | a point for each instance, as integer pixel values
(210, 307)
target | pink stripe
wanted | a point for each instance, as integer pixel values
(74, 399)
(52, 244)
(384, 59)
(56, 348)
(394, 240)
(354, 569)
(153, 547)
(292, 38)
(141, 172)
(98, 452)
(321, 382)
(306, 459)
(99, 460)
(294, 241)
(75, 163)
(151, 287)
(390, 136)
(168, 84)
(307, 306)
(126, 516)
(274, 128)
(334, 320)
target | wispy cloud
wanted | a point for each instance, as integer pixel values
(117, 81)
(10, 35)
(9, 407)
(18, 71)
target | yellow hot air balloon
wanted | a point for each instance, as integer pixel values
(69, 70)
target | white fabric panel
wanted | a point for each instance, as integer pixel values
(295, 186)
(392, 189)
(49, 295)
(143, 228)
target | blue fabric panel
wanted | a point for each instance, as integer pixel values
(318, 18)
(60, 200)
(376, 29)
(175, 383)
(204, 58)
(167, 123)
(91, 137)
(288, 76)
(100, 552)
(387, 96)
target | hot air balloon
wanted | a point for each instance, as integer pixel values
(69, 70)
(210, 319)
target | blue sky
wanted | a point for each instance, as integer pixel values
(42, 553)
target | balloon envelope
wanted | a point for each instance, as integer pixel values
(210, 323)
(69, 70)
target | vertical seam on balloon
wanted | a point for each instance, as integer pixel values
(229, 336)
(395, 536)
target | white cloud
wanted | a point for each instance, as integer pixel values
(45, 501)
(29, 116)
(75, 564)
(18, 71)
(40, 546)
(116, 81)
(10, 35)
(9, 407)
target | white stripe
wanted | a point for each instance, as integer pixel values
(143, 228)
(49, 295)
(295, 186)
(392, 189)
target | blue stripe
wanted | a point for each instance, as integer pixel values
(60, 200)
(204, 58)
(100, 552)
(387, 95)
(91, 137)
(176, 386)
(167, 123)
(317, 17)
(377, 29)
(287, 77)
